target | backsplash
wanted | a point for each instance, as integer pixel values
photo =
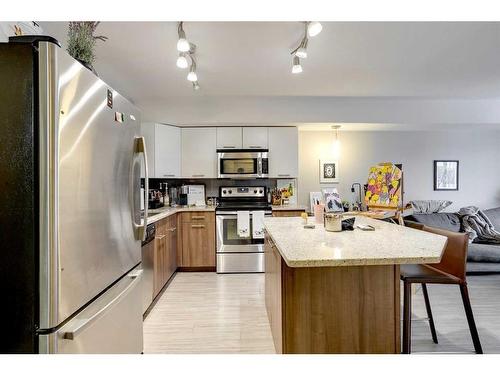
(211, 185)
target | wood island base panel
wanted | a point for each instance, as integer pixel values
(332, 309)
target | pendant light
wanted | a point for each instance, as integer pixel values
(336, 142)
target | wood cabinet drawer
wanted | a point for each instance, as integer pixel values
(201, 216)
(284, 213)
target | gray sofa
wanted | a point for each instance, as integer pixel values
(482, 257)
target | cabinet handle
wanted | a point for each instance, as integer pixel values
(172, 229)
(254, 146)
(283, 175)
(197, 226)
(198, 217)
(228, 147)
(197, 175)
(169, 175)
(160, 237)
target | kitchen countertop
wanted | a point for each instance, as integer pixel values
(388, 244)
(163, 212)
(290, 207)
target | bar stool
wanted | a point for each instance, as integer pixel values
(451, 270)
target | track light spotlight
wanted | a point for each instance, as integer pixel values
(192, 72)
(192, 76)
(314, 28)
(182, 61)
(296, 68)
(301, 52)
(182, 44)
(196, 86)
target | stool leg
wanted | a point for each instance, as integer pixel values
(470, 319)
(407, 318)
(429, 313)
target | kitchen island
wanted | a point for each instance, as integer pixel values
(338, 292)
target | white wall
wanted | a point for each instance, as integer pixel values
(478, 153)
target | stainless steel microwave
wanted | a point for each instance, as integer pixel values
(243, 164)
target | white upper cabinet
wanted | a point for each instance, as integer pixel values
(148, 132)
(283, 152)
(199, 152)
(255, 137)
(228, 137)
(167, 151)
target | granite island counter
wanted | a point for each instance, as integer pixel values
(338, 292)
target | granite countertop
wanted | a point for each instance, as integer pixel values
(163, 212)
(388, 244)
(290, 207)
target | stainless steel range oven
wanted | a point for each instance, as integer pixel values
(243, 164)
(236, 254)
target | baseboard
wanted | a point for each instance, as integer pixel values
(196, 269)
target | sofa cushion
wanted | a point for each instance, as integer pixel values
(482, 268)
(443, 220)
(494, 215)
(479, 252)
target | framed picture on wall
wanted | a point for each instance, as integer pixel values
(328, 171)
(445, 175)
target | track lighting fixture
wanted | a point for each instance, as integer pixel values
(311, 29)
(186, 55)
(296, 68)
(182, 61)
(182, 43)
(314, 28)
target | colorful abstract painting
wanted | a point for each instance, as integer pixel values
(384, 186)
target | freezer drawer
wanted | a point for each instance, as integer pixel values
(240, 262)
(110, 324)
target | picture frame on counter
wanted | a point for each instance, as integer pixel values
(328, 171)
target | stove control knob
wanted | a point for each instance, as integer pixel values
(230, 192)
(255, 191)
(261, 191)
(224, 191)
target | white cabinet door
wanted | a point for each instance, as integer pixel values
(228, 137)
(167, 151)
(283, 152)
(255, 137)
(199, 153)
(148, 132)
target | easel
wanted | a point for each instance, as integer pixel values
(396, 212)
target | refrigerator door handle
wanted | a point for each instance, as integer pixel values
(140, 147)
(78, 326)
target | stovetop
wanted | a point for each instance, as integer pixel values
(240, 206)
(243, 198)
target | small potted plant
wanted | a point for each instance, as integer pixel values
(81, 42)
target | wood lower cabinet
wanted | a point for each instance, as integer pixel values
(159, 263)
(165, 254)
(344, 310)
(273, 295)
(197, 240)
(283, 213)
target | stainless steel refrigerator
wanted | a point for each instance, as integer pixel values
(70, 223)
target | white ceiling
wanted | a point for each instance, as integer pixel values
(347, 59)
